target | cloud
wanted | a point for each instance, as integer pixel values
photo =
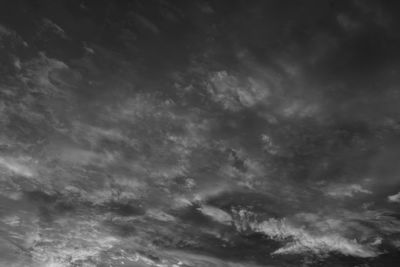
(78, 156)
(12, 220)
(142, 136)
(49, 25)
(269, 145)
(42, 73)
(394, 198)
(342, 191)
(347, 22)
(94, 134)
(159, 215)
(299, 240)
(145, 23)
(140, 106)
(234, 94)
(17, 166)
(305, 242)
(187, 258)
(5, 31)
(298, 108)
(75, 241)
(216, 214)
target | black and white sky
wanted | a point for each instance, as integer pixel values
(199, 133)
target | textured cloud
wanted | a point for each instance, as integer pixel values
(298, 239)
(234, 94)
(42, 73)
(138, 133)
(83, 241)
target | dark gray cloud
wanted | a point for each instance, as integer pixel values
(201, 133)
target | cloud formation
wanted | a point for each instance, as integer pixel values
(226, 133)
(297, 239)
(394, 198)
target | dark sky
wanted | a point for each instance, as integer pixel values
(199, 133)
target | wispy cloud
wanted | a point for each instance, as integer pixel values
(49, 25)
(394, 198)
(216, 214)
(298, 240)
(17, 166)
(343, 191)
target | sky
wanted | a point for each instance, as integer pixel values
(199, 133)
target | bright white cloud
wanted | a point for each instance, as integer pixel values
(216, 214)
(394, 198)
(303, 240)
